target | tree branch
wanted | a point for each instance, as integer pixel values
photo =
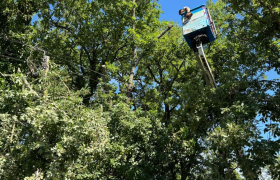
(151, 72)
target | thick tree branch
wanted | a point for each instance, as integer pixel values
(151, 72)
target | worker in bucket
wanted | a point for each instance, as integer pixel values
(186, 10)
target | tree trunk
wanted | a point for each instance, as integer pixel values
(167, 115)
(183, 169)
(134, 64)
(105, 80)
(136, 61)
(93, 78)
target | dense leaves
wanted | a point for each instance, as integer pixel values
(116, 102)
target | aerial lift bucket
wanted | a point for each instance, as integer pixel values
(199, 30)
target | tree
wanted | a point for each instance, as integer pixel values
(53, 133)
(15, 21)
(259, 32)
(93, 34)
(164, 122)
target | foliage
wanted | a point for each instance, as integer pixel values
(15, 20)
(60, 137)
(274, 169)
(69, 119)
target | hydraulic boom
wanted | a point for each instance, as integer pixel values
(204, 66)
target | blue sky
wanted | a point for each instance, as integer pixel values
(171, 8)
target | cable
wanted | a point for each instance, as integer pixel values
(75, 73)
(15, 41)
(104, 90)
(106, 76)
(88, 78)
(44, 51)
(13, 58)
(40, 49)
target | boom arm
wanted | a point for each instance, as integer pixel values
(204, 66)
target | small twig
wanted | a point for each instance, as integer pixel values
(30, 64)
(19, 123)
(12, 134)
(24, 81)
(67, 88)
(29, 87)
(5, 75)
(27, 84)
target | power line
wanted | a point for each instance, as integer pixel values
(72, 72)
(15, 41)
(40, 49)
(106, 76)
(94, 79)
(92, 71)
(12, 58)
(99, 82)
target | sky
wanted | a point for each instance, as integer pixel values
(171, 8)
